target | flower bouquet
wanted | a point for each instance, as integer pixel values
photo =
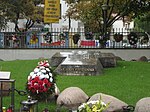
(41, 82)
(93, 106)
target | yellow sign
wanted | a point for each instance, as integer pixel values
(52, 11)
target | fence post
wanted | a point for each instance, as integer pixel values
(66, 39)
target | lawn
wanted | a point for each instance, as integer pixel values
(129, 81)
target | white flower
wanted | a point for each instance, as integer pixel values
(43, 71)
(29, 77)
(36, 70)
(39, 73)
(42, 67)
(81, 107)
(103, 103)
(50, 74)
(32, 73)
(47, 76)
(41, 76)
(47, 69)
(92, 102)
(33, 76)
(51, 79)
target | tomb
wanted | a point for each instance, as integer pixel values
(82, 62)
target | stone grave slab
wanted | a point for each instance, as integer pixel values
(58, 58)
(80, 63)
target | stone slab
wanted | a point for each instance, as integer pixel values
(58, 58)
(108, 60)
(81, 63)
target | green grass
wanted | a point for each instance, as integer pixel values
(129, 81)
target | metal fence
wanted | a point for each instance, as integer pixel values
(74, 38)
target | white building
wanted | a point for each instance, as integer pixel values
(120, 26)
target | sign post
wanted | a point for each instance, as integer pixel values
(52, 11)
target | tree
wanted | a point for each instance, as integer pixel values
(101, 14)
(4, 6)
(90, 11)
(143, 22)
(13, 10)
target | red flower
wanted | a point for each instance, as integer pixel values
(35, 86)
(45, 90)
(45, 81)
(40, 82)
(49, 84)
(36, 78)
(33, 90)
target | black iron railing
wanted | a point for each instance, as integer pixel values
(74, 38)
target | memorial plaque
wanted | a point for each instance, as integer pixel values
(4, 75)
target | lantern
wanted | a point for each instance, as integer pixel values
(29, 105)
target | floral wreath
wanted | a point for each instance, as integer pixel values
(48, 37)
(89, 35)
(133, 38)
(118, 37)
(76, 38)
(41, 82)
(15, 38)
(62, 36)
(34, 39)
(144, 39)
